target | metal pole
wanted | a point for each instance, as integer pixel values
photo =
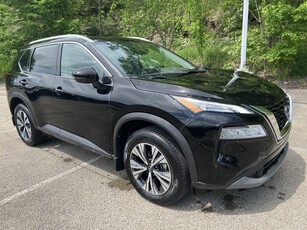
(244, 33)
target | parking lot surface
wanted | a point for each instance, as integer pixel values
(60, 186)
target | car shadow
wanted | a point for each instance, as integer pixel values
(104, 166)
(281, 187)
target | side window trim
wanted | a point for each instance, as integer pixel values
(105, 70)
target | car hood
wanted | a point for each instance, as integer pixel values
(234, 87)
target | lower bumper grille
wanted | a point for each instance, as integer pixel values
(267, 166)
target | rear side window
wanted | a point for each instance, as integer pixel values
(24, 62)
(44, 60)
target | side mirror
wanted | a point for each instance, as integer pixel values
(85, 75)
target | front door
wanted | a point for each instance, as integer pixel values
(80, 108)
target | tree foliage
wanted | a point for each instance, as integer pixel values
(207, 32)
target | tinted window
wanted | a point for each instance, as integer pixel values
(44, 60)
(25, 60)
(74, 57)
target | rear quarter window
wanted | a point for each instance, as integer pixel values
(24, 62)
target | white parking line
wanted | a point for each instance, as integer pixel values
(49, 180)
(8, 130)
(298, 149)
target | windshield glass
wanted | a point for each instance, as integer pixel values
(138, 58)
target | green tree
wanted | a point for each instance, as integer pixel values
(197, 22)
(153, 19)
(207, 32)
(10, 38)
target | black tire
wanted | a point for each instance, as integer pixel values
(25, 126)
(155, 144)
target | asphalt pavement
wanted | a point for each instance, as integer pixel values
(60, 186)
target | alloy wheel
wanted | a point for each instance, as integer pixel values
(24, 125)
(150, 169)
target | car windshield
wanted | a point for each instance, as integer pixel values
(138, 58)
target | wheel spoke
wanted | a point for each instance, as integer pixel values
(19, 117)
(19, 123)
(164, 175)
(24, 133)
(165, 183)
(146, 184)
(154, 189)
(23, 115)
(26, 121)
(28, 130)
(136, 165)
(139, 151)
(154, 152)
(137, 169)
(160, 160)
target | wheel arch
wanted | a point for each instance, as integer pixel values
(17, 98)
(146, 119)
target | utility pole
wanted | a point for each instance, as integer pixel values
(244, 33)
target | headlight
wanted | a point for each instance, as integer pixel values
(197, 106)
(242, 132)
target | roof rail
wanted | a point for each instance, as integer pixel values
(62, 36)
(139, 38)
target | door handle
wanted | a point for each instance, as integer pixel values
(23, 82)
(59, 90)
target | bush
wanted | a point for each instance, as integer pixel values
(214, 57)
(190, 53)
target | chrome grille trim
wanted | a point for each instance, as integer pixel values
(281, 111)
(271, 120)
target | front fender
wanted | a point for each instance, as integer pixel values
(167, 127)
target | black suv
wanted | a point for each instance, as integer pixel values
(171, 125)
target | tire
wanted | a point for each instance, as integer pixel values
(156, 167)
(25, 126)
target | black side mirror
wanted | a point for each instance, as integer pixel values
(85, 75)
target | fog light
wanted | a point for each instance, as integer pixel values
(227, 161)
(242, 132)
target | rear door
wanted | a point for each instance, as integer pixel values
(39, 68)
(82, 110)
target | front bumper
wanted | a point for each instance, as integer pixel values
(254, 176)
(235, 164)
(267, 169)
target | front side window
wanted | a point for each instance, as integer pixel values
(75, 56)
(44, 60)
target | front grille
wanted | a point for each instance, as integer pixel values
(281, 111)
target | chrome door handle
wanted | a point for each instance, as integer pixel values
(23, 82)
(59, 90)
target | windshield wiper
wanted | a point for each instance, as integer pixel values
(150, 76)
(157, 77)
(196, 70)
